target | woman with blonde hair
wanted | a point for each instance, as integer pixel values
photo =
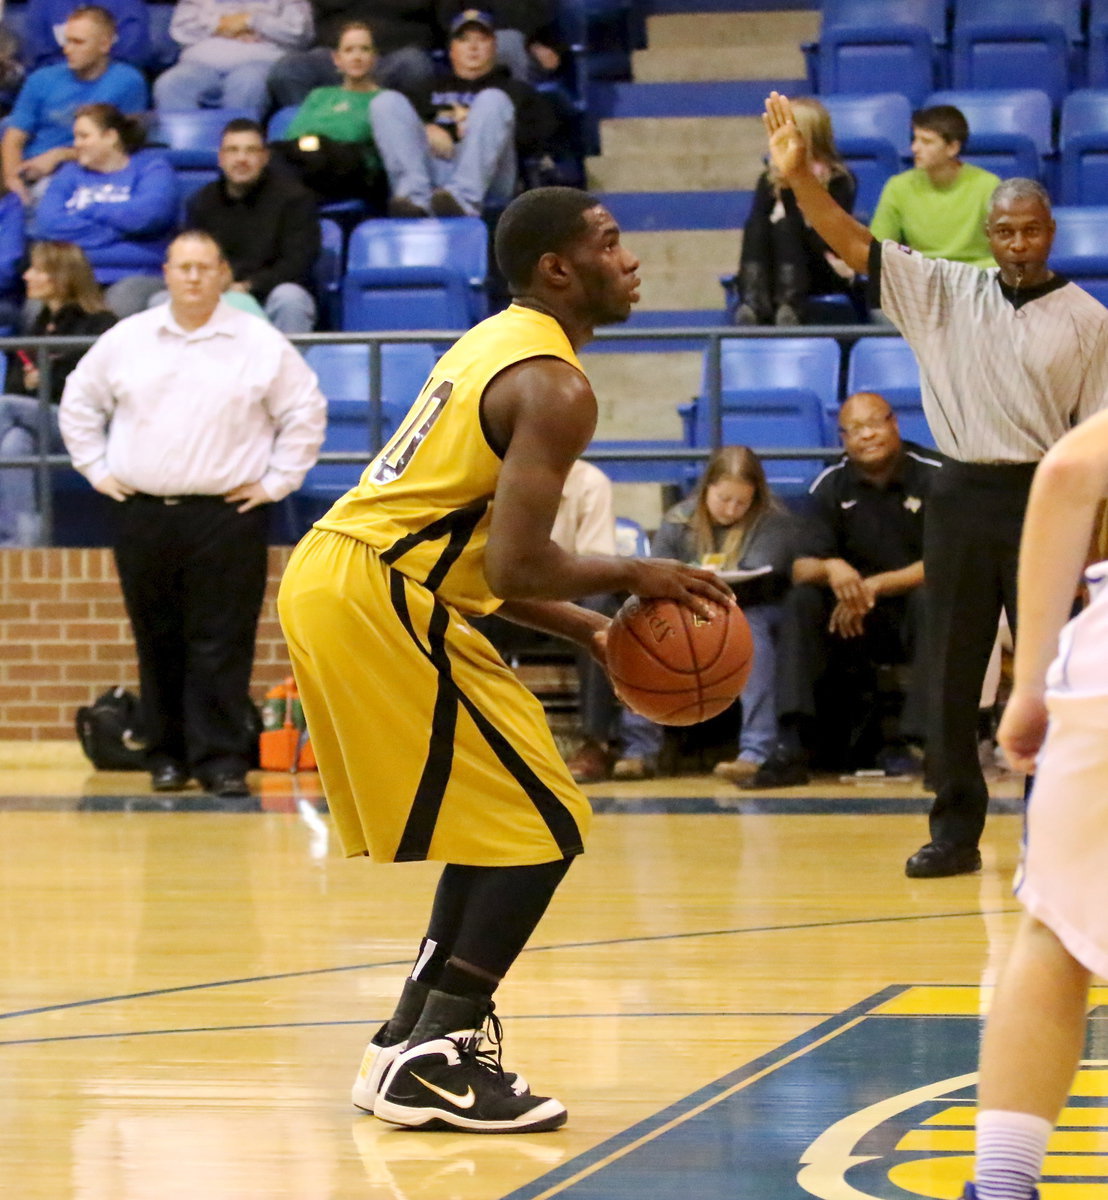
(731, 523)
(784, 260)
(59, 279)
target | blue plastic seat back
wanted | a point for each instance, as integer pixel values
(418, 274)
(929, 14)
(997, 42)
(631, 539)
(771, 364)
(1023, 111)
(665, 471)
(885, 116)
(1064, 13)
(1080, 242)
(327, 272)
(877, 58)
(193, 136)
(1084, 144)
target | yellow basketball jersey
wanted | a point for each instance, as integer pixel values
(425, 502)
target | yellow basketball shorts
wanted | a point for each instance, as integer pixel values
(428, 745)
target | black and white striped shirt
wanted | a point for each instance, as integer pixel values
(1004, 375)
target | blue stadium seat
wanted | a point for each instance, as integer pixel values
(999, 41)
(421, 274)
(1010, 130)
(343, 373)
(166, 50)
(1083, 139)
(280, 121)
(1080, 250)
(1096, 71)
(191, 182)
(774, 394)
(192, 137)
(888, 366)
(873, 133)
(877, 58)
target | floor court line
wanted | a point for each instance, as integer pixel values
(599, 944)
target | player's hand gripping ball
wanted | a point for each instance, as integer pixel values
(674, 666)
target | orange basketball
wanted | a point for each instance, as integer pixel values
(674, 666)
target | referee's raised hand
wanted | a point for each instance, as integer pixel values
(787, 148)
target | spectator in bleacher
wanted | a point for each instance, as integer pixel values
(403, 34)
(266, 225)
(39, 134)
(229, 47)
(12, 70)
(456, 144)
(44, 31)
(783, 259)
(940, 206)
(117, 201)
(60, 280)
(329, 143)
(732, 522)
(857, 599)
(527, 43)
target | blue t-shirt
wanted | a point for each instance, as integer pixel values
(47, 101)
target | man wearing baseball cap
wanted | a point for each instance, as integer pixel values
(453, 146)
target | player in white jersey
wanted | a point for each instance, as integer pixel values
(1053, 725)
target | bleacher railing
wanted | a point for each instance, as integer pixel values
(45, 463)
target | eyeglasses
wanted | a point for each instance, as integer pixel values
(857, 428)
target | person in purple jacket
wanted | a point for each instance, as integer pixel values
(44, 31)
(118, 202)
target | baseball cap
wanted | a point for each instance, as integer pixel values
(471, 16)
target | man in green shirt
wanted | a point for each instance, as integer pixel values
(939, 206)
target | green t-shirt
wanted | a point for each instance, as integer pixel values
(337, 113)
(946, 222)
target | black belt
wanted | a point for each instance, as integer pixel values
(191, 498)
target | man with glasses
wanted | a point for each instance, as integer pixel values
(266, 224)
(857, 597)
(194, 417)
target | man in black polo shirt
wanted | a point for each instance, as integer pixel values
(266, 224)
(857, 584)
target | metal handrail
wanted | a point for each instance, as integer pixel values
(712, 337)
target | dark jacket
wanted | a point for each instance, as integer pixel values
(270, 235)
(69, 321)
(395, 23)
(537, 121)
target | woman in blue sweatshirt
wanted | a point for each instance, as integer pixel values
(117, 201)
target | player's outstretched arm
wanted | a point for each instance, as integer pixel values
(849, 238)
(1057, 530)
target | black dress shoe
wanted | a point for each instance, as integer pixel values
(169, 778)
(777, 771)
(228, 785)
(938, 859)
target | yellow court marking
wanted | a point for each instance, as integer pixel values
(960, 1001)
(1071, 1118)
(1066, 1141)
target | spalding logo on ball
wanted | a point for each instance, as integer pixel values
(674, 666)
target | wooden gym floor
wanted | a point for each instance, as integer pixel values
(736, 995)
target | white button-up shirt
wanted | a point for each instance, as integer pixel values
(174, 412)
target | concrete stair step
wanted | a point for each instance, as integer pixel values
(681, 268)
(675, 173)
(652, 136)
(716, 62)
(668, 32)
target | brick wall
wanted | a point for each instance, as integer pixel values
(64, 638)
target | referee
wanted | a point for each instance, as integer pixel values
(1010, 359)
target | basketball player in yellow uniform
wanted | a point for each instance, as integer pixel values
(428, 746)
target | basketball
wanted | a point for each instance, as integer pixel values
(675, 667)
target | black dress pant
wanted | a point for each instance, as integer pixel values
(807, 654)
(193, 574)
(970, 555)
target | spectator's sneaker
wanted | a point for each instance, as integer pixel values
(589, 763)
(376, 1061)
(777, 771)
(450, 1083)
(402, 206)
(735, 770)
(633, 768)
(446, 204)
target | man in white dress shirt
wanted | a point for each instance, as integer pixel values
(194, 417)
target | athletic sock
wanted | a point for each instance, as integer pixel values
(1011, 1147)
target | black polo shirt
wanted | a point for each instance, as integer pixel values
(873, 528)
